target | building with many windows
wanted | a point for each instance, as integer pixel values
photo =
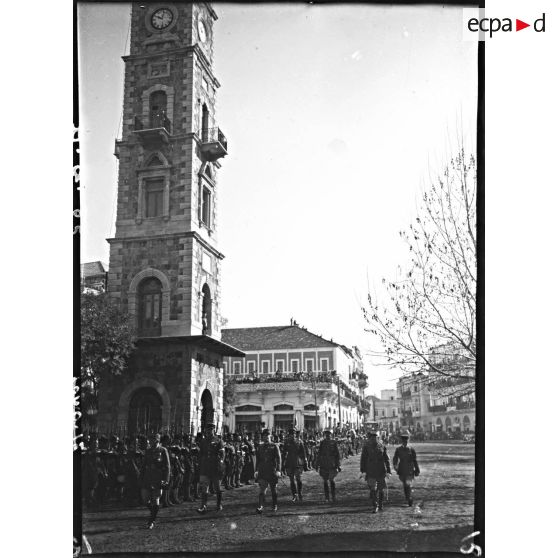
(384, 411)
(422, 408)
(292, 376)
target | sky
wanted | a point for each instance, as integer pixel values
(336, 117)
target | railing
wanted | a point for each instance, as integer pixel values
(437, 408)
(211, 135)
(157, 121)
(465, 405)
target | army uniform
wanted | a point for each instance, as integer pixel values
(155, 475)
(188, 466)
(238, 461)
(177, 475)
(406, 466)
(328, 462)
(248, 468)
(212, 469)
(268, 470)
(296, 462)
(229, 464)
(374, 461)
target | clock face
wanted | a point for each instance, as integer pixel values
(161, 18)
(201, 31)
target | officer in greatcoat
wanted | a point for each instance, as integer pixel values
(374, 461)
(211, 466)
(296, 462)
(328, 462)
(155, 475)
(406, 466)
(268, 470)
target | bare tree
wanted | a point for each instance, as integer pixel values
(427, 320)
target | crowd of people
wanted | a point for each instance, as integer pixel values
(163, 470)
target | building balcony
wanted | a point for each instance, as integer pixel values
(437, 408)
(406, 393)
(213, 144)
(158, 131)
(460, 405)
(408, 413)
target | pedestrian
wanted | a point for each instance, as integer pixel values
(212, 466)
(406, 466)
(374, 461)
(296, 462)
(155, 476)
(328, 462)
(268, 470)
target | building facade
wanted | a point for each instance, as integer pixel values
(384, 411)
(165, 265)
(424, 409)
(291, 376)
(93, 277)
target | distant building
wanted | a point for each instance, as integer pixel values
(93, 277)
(384, 410)
(423, 407)
(292, 376)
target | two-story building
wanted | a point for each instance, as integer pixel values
(385, 410)
(291, 376)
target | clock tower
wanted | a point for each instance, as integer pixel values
(164, 258)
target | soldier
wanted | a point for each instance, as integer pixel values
(188, 465)
(374, 461)
(212, 466)
(155, 475)
(406, 466)
(177, 475)
(238, 461)
(229, 463)
(268, 470)
(248, 468)
(295, 462)
(328, 462)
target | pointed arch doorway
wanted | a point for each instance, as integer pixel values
(207, 411)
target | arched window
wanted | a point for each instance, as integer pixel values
(466, 423)
(157, 109)
(150, 307)
(206, 310)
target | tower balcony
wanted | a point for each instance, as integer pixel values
(213, 144)
(159, 130)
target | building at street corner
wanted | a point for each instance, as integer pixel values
(384, 411)
(165, 265)
(424, 408)
(291, 376)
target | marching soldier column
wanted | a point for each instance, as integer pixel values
(158, 473)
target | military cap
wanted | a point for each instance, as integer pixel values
(265, 432)
(155, 436)
(209, 425)
(327, 431)
(372, 433)
(405, 434)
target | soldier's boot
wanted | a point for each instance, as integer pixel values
(408, 498)
(374, 501)
(293, 489)
(299, 488)
(332, 484)
(219, 501)
(260, 503)
(326, 491)
(203, 507)
(381, 500)
(274, 500)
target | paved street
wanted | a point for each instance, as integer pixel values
(441, 517)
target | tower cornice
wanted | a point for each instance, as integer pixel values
(180, 50)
